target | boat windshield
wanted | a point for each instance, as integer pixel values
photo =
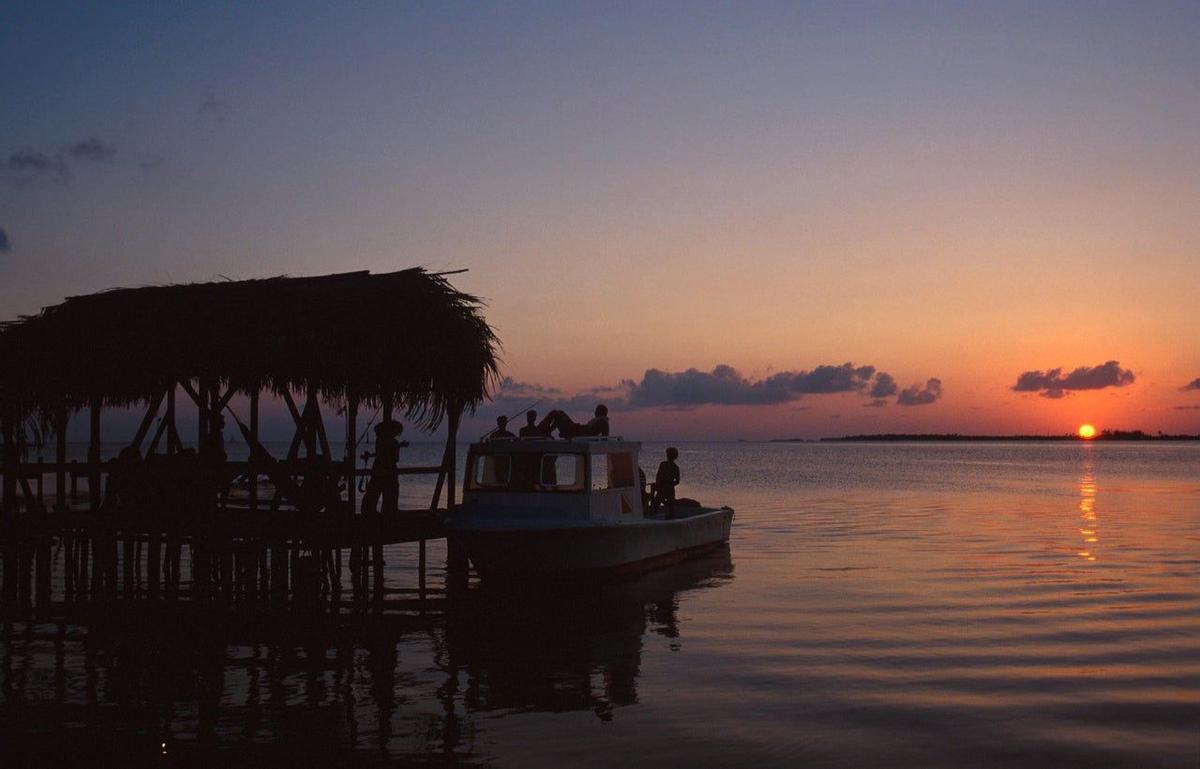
(527, 471)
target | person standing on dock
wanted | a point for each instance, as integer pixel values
(384, 481)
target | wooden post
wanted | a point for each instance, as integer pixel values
(377, 549)
(94, 491)
(351, 449)
(60, 459)
(202, 416)
(8, 463)
(253, 471)
(456, 556)
(169, 421)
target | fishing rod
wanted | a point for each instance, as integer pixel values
(514, 416)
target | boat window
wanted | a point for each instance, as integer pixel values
(491, 471)
(612, 471)
(562, 472)
(599, 471)
(621, 473)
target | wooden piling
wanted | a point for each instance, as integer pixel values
(61, 418)
(252, 473)
(94, 490)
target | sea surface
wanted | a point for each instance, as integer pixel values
(878, 605)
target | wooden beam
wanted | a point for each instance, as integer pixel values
(61, 416)
(94, 491)
(11, 460)
(252, 472)
(351, 459)
(147, 420)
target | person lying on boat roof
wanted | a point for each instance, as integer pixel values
(501, 432)
(569, 428)
(534, 430)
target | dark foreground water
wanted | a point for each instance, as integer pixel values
(879, 605)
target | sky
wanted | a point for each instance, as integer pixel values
(750, 220)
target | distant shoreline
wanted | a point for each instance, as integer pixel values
(1106, 436)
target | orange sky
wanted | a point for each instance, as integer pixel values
(965, 193)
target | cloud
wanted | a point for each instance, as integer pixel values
(29, 163)
(725, 386)
(1053, 384)
(152, 162)
(885, 385)
(1193, 407)
(93, 150)
(921, 396)
(1192, 385)
(722, 386)
(212, 107)
(5, 243)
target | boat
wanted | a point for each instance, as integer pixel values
(538, 506)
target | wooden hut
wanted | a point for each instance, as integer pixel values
(404, 341)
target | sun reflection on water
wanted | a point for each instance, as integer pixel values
(1087, 510)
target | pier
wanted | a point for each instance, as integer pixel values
(177, 518)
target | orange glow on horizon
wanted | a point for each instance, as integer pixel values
(1087, 431)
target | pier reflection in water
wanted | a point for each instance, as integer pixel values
(134, 681)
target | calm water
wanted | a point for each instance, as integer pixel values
(878, 605)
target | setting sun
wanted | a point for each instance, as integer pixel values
(1087, 431)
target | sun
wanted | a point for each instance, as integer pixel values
(1087, 431)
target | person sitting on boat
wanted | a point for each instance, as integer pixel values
(383, 481)
(665, 482)
(501, 430)
(569, 428)
(534, 430)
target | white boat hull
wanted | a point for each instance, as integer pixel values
(514, 548)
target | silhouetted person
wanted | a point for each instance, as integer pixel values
(213, 457)
(501, 430)
(124, 475)
(383, 481)
(534, 430)
(666, 480)
(569, 428)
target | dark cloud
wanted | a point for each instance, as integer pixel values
(878, 403)
(1192, 385)
(725, 386)
(514, 387)
(92, 149)
(885, 386)
(152, 162)
(1193, 407)
(5, 243)
(29, 163)
(212, 107)
(921, 396)
(1053, 384)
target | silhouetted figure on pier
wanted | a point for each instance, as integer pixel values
(501, 432)
(212, 460)
(665, 482)
(569, 428)
(384, 482)
(124, 482)
(534, 430)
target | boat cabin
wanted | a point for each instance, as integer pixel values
(582, 479)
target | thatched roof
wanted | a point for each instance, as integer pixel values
(408, 334)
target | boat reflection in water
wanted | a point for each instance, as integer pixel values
(548, 648)
(189, 683)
